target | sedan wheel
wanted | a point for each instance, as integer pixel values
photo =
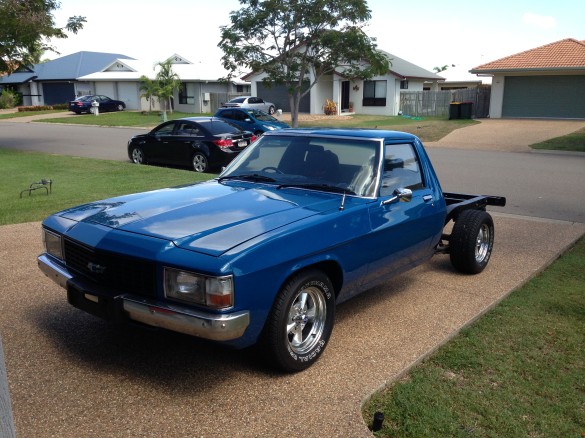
(271, 110)
(137, 156)
(120, 107)
(301, 321)
(200, 162)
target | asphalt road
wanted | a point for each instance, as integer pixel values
(536, 184)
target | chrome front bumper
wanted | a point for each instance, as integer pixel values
(216, 327)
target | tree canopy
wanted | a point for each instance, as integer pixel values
(296, 42)
(25, 28)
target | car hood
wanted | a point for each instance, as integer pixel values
(209, 217)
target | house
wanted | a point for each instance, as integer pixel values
(545, 82)
(118, 76)
(379, 95)
(201, 84)
(54, 82)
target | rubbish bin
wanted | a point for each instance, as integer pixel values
(455, 110)
(465, 110)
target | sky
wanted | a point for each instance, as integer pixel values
(462, 34)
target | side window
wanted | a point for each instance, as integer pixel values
(165, 131)
(227, 114)
(187, 129)
(401, 169)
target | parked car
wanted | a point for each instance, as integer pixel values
(251, 102)
(83, 104)
(249, 119)
(301, 221)
(202, 143)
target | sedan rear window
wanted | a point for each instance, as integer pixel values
(217, 127)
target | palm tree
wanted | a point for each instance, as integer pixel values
(149, 89)
(167, 82)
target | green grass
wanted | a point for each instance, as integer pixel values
(518, 372)
(426, 128)
(122, 118)
(75, 181)
(571, 142)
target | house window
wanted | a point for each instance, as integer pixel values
(374, 93)
(404, 85)
(183, 97)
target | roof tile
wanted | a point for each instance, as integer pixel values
(567, 53)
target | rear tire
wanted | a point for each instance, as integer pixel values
(472, 241)
(120, 107)
(200, 162)
(301, 321)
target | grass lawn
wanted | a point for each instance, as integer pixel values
(517, 372)
(75, 181)
(121, 118)
(571, 142)
(28, 114)
(427, 128)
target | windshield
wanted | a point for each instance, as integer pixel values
(310, 162)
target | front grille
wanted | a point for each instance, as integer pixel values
(114, 271)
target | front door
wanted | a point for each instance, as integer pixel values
(345, 96)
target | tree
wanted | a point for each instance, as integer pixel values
(148, 89)
(167, 81)
(297, 42)
(25, 27)
(443, 68)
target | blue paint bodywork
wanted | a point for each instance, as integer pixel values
(262, 232)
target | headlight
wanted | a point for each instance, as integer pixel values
(53, 244)
(215, 292)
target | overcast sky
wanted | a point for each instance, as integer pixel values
(427, 33)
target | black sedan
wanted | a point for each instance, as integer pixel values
(202, 143)
(83, 104)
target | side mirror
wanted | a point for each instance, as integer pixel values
(400, 194)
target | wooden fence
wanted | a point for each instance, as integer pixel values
(436, 103)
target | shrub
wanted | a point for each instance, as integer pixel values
(8, 99)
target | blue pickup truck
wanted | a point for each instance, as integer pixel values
(300, 221)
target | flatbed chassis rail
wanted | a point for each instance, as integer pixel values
(458, 202)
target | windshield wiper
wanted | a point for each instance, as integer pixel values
(247, 177)
(323, 187)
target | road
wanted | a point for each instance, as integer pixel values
(536, 184)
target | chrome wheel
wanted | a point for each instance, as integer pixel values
(306, 320)
(483, 243)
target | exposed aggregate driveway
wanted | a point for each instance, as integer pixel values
(73, 375)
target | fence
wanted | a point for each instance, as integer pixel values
(436, 103)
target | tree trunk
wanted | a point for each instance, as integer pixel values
(295, 100)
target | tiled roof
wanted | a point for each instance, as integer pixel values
(567, 54)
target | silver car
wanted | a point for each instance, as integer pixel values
(250, 102)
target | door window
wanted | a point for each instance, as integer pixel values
(401, 169)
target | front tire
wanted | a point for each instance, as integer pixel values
(472, 241)
(137, 155)
(271, 110)
(301, 321)
(200, 162)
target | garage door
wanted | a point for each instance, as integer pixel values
(278, 95)
(57, 92)
(560, 97)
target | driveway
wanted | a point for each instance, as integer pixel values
(511, 135)
(73, 375)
